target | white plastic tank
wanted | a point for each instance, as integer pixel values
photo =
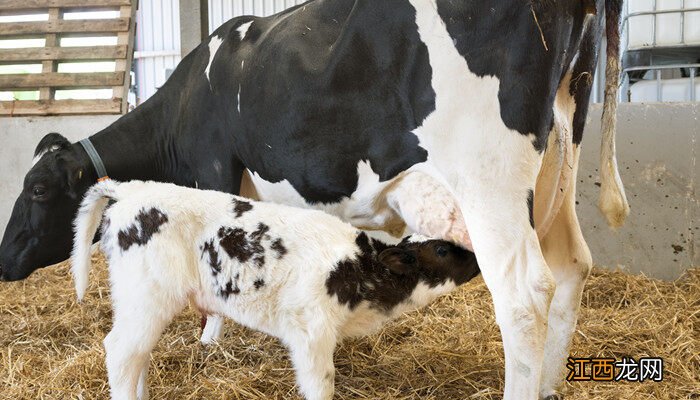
(669, 29)
(672, 90)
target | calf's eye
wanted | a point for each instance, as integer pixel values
(441, 251)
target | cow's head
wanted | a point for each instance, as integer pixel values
(39, 232)
(431, 258)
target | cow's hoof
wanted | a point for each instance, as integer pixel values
(555, 396)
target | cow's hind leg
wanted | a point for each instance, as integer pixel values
(570, 261)
(520, 283)
(496, 199)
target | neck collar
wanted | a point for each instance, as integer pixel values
(95, 159)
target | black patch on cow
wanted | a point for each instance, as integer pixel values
(336, 92)
(529, 74)
(147, 224)
(278, 246)
(583, 73)
(259, 284)
(214, 260)
(241, 207)
(243, 246)
(531, 207)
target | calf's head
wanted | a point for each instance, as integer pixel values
(39, 232)
(436, 260)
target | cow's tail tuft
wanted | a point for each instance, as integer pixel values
(612, 202)
(86, 223)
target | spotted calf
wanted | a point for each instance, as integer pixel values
(300, 275)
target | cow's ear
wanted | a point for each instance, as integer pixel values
(399, 261)
(51, 142)
(72, 172)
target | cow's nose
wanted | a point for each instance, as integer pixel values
(2, 277)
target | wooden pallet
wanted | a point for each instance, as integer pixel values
(49, 56)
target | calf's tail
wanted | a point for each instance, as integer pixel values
(86, 223)
(612, 202)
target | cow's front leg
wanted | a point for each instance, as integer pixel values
(570, 261)
(428, 207)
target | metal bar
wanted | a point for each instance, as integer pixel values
(682, 22)
(658, 85)
(660, 67)
(692, 84)
(653, 27)
(656, 12)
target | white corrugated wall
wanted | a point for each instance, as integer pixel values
(158, 34)
(221, 11)
(157, 44)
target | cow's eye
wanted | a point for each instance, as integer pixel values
(39, 191)
(441, 251)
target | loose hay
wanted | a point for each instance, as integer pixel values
(52, 347)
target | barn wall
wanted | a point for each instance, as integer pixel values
(157, 44)
(658, 149)
(19, 137)
(221, 11)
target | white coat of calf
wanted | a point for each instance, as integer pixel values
(300, 275)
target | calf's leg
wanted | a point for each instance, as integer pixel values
(139, 320)
(312, 356)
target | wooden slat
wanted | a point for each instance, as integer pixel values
(33, 4)
(49, 66)
(65, 26)
(56, 79)
(126, 38)
(64, 53)
(63, 107)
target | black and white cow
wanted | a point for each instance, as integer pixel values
(301, 275)
(343, 105)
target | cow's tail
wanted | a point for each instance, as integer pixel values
(85, 226)
(613, 202)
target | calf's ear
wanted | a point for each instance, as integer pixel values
(399, 261)
(51, 142)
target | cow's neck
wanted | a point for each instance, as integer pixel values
(134, 147)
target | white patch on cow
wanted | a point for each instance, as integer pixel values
(358, 209)
(239, 99)
(43, 153)
(243, 29)
(491, 168)
(214, 45)
(217, 166)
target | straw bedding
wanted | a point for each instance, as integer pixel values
(52, 347)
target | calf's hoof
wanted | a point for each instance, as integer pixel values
(555, 396)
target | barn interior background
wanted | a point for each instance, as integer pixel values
(62, 57)
(55, 54)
